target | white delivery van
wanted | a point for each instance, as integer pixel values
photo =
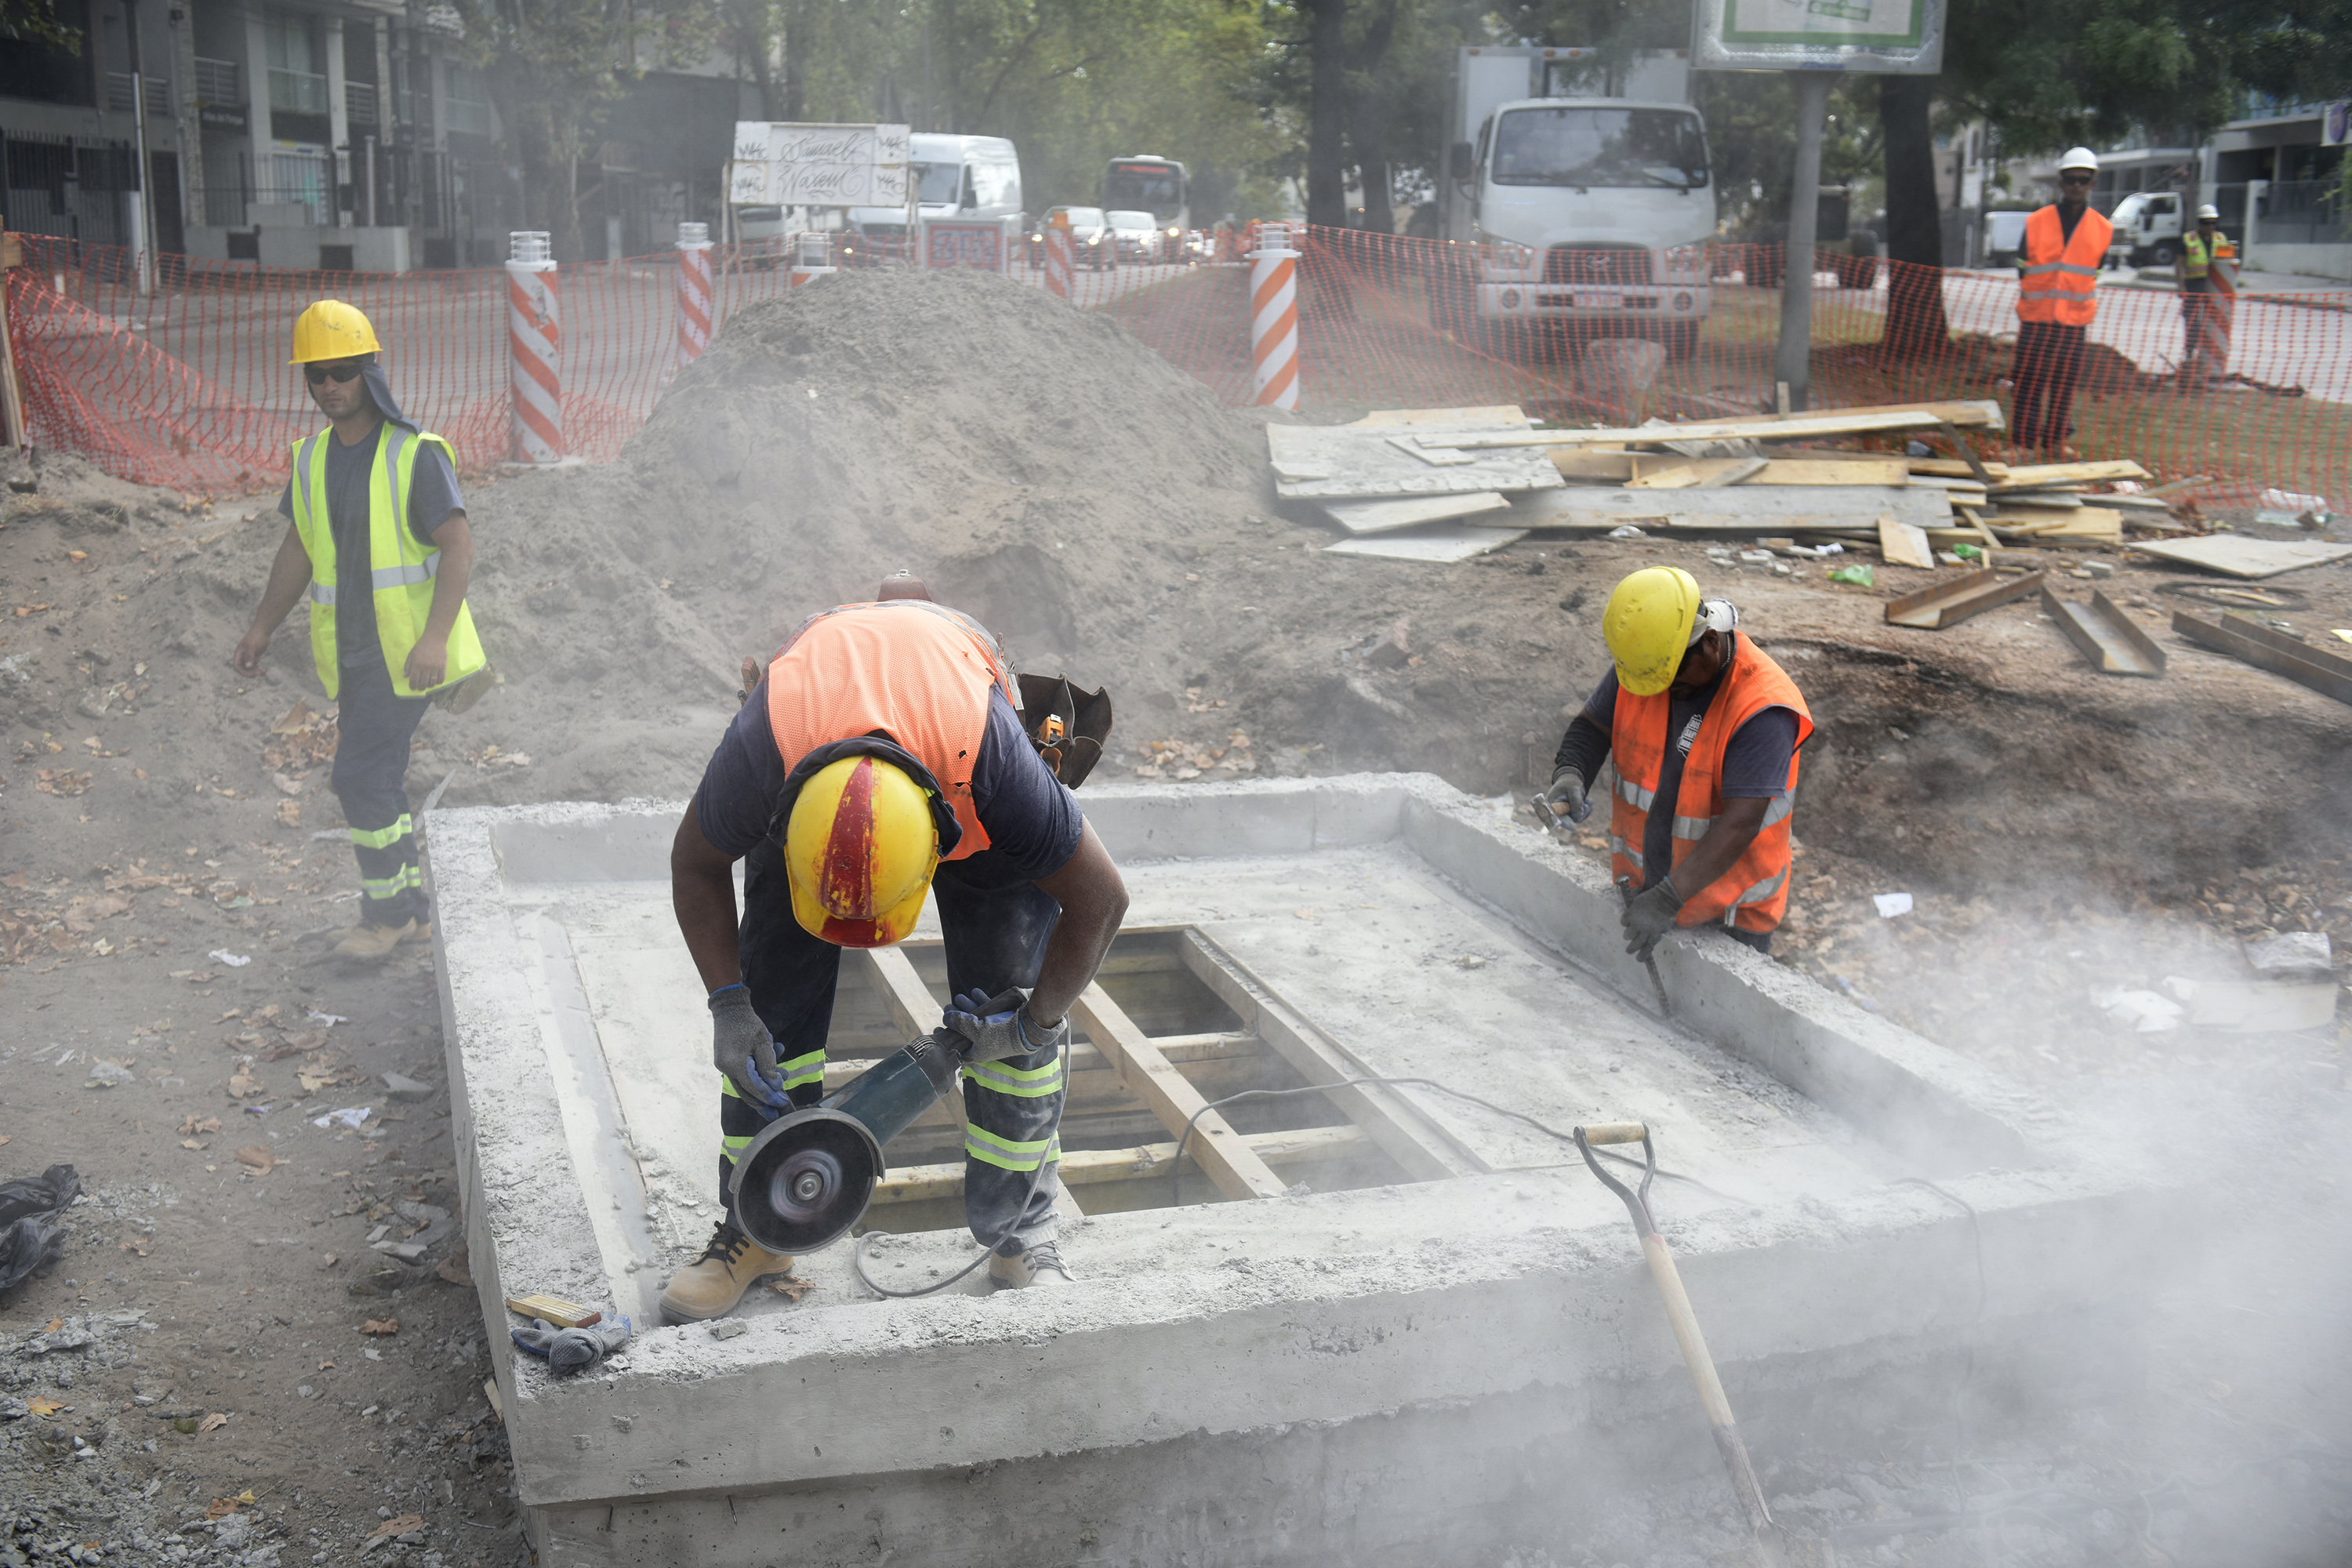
(2004, 236)
(954, 177)
(1573, 213)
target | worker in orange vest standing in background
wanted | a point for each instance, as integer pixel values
(2057, 296)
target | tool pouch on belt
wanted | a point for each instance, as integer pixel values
(1068, 725)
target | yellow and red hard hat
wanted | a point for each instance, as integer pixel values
(860, 849)
(329, 329)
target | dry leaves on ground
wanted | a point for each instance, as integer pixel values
(222, 1507)
(212, 1422)
(454, 1270)
(138, 1244)
(45, 1407)
(193, 1125)
(790, 1286)
(243, 1085)
(61, 782)
(400, 1526)
(259, 1157)
(289, 813)
(380, 1326)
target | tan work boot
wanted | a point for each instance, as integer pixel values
(365, 940)
(418, 930)
(711, 1284)
(1039, 1265)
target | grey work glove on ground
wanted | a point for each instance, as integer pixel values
(1566, 797)
(1649, 916)
(1000, 1026)
(741, 1047)
(573, 1350)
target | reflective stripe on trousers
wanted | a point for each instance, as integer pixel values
(383, 838)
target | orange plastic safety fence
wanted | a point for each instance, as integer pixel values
(189, 385)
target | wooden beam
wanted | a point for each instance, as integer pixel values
(1795, 426)
(1152, 1077)
(1405, 1132)
(1084, 1167)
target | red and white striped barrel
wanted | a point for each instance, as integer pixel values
(534, 350)
(1274, 319)
(1057, 257)
(693, 291)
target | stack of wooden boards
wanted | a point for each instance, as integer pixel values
(1448, 483)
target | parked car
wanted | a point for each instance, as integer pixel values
(1093, 242)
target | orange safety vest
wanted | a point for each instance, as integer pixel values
(918, 671)
(2060, 279)
(1754, 894)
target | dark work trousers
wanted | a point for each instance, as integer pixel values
(996, 923)
(2049, 361)
(373, 728)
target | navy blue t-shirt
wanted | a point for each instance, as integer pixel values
(1032, 820)
(433, 495)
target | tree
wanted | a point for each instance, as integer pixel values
(35, 22)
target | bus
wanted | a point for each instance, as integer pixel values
(1148, 183)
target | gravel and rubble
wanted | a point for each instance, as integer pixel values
(173, 872)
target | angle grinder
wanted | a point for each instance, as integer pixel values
(806, 1179)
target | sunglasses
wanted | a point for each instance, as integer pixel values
(320, 374)
(2076, 179)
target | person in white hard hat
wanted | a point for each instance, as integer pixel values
(2206, 270)
(2057, 296)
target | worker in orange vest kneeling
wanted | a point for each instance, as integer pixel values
(2057, 296)
(1705, 730)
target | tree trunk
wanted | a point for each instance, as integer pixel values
(796, 44)
(1326, 120)
(1915, 323)
(1372, 164)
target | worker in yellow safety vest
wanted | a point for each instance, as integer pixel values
(2206, 270)
(2057, 296)
(377, 538)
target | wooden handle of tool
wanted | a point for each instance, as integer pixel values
(1711, 1397)
(1615, 1133)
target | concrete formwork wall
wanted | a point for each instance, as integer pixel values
(1465, 1374)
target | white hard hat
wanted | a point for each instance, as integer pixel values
(2079, 158)
(2210, 210)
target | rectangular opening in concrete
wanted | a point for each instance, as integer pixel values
(1119, 1145)
(1420, 1294)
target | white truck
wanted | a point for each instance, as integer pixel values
(1573, 212)
(2148, 229)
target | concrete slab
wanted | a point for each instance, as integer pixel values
(1456, 1345)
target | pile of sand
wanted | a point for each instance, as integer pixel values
(1035, 463)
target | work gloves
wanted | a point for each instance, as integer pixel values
(1566, 797)
(567, 1350)
(741, 1047)
(1649, 915)
(1000, 1025)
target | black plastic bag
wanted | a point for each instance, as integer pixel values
(30, 1236)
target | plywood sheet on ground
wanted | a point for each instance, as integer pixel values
(1743, 509)
(1437, 545)
(2233, 555)
(1340, 462)
(1381, 516)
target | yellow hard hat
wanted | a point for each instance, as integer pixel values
(860, 849)
(1648, 626)
(331, 330)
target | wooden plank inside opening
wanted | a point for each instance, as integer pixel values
(1403, 1131)
(1085, 1167)
(1227, 1160)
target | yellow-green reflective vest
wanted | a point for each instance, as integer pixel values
(2192, 254)
(401, 570)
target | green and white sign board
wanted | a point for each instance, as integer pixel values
(1903, 36)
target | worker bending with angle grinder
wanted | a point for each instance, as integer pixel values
(1704, 729)
(879, 758)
